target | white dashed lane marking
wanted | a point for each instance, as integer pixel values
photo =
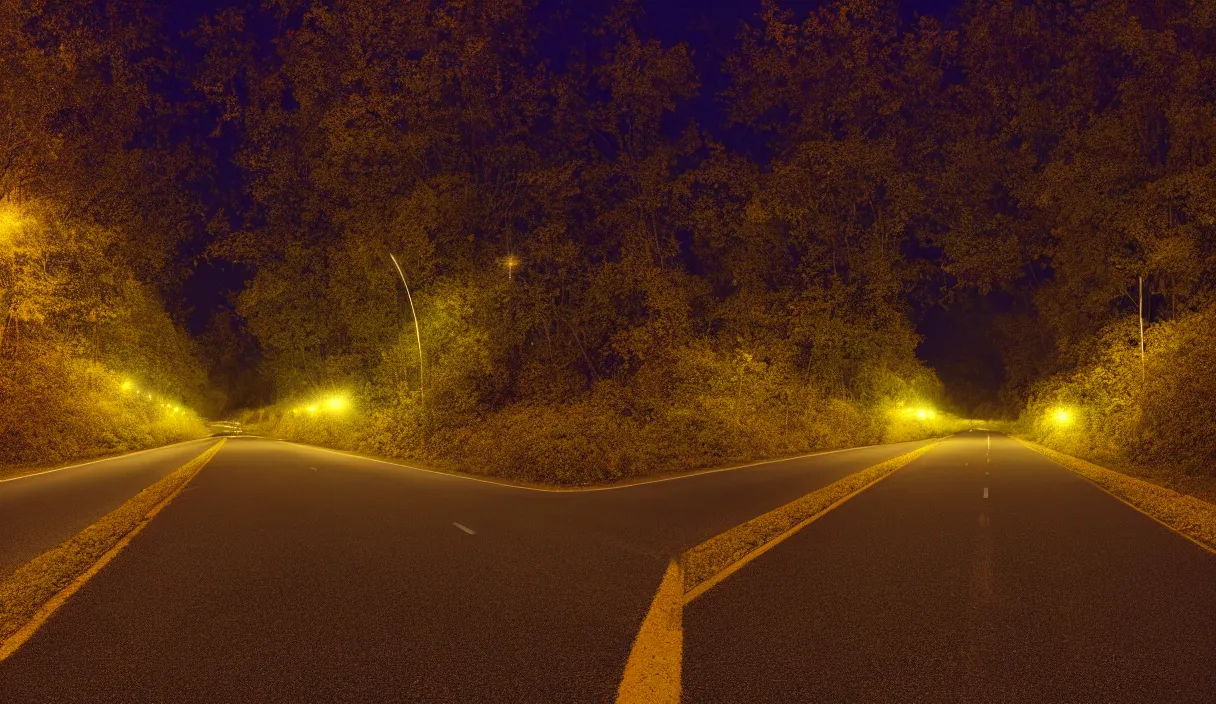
(464, 528)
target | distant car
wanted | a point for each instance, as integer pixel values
(226, 427)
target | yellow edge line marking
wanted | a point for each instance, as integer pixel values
(653, 672)
(572, 489)
(1108, 492)
(1136, 508)
(737, 565)
(103, 459)
(15, 641)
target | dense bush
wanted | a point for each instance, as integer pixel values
(1161, 416)
(81, 338)
(59, 408)
(584, 443)
(710, 411)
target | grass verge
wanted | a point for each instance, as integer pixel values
(1188, 515)
(715, 556)
(653, 671)
(26, 594)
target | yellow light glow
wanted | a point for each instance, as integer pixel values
(127, 385)
(1062, 416)
(10, 222)
(335, 403)
(312, 409)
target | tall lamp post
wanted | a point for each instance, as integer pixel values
(417, 330)
(1141, 329)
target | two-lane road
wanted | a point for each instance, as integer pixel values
(39, 511)
(290, 573)
(981, 572)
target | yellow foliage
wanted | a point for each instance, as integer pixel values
(1114, 410)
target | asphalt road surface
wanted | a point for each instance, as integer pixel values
(289, 573)
(38, 512)
(922, 589)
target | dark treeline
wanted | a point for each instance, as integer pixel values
(94, 202)
(611, 277)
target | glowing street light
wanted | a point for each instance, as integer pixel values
(1062, 416)
(921, 413)
(10, 222)
(335, 403)
(511, 261)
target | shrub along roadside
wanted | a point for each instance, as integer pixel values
(1156, 422)
(59, 409)
(591, 442)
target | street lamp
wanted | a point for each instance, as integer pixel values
(511, 261)
(417, 330)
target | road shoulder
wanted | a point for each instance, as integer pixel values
(1186, 515)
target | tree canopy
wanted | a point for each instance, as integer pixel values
(585, 212)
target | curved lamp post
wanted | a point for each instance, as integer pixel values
(417, 331)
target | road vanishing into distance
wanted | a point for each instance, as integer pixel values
(981, 571)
